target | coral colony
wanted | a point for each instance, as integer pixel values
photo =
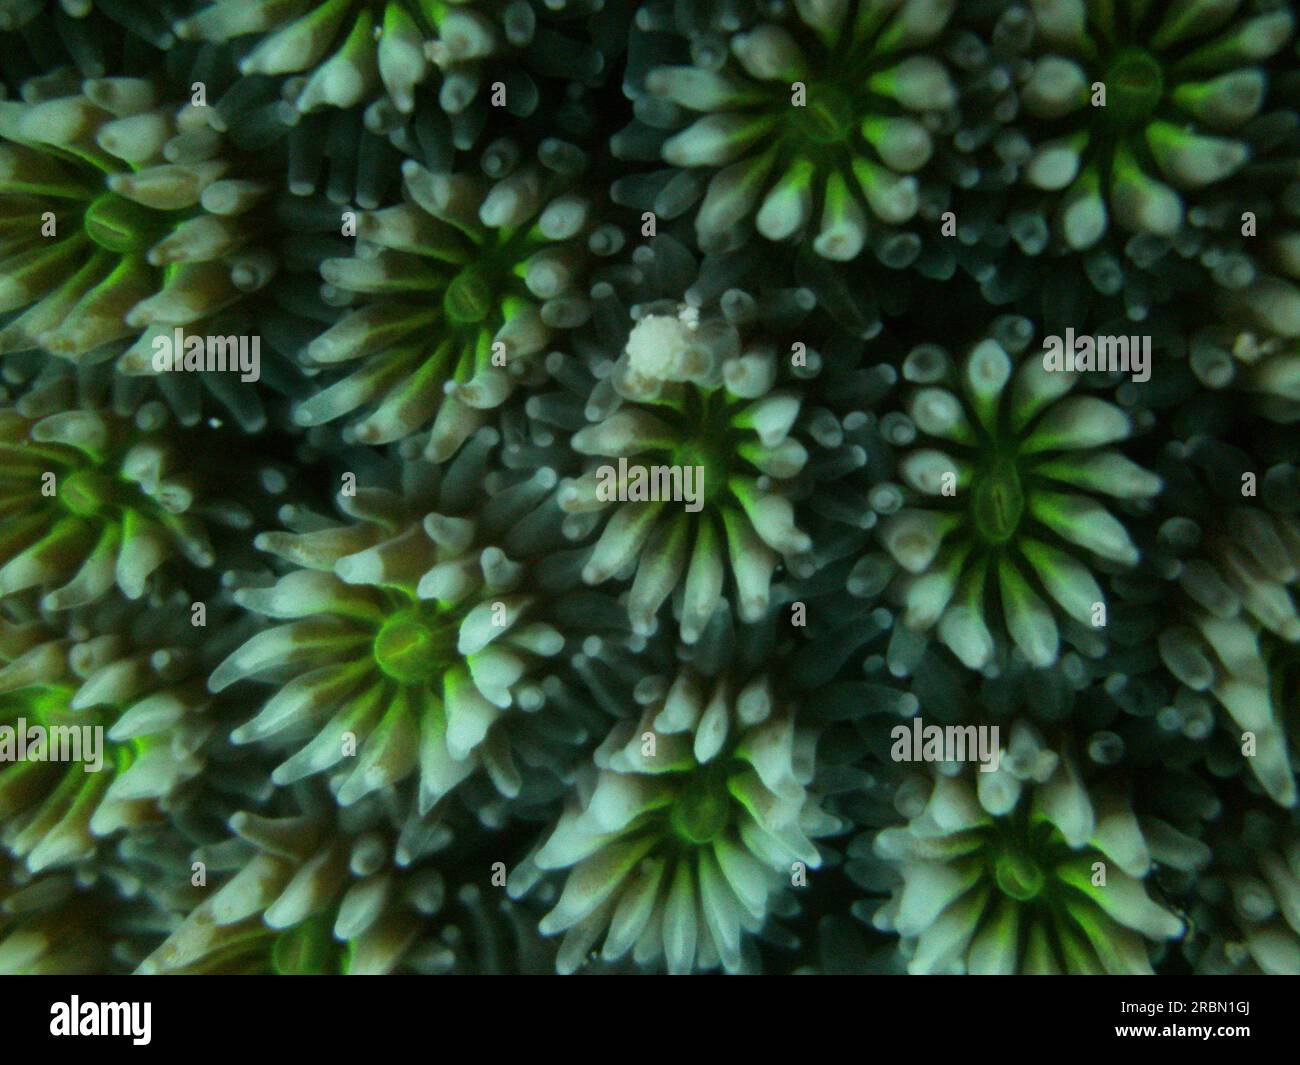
(582, 485)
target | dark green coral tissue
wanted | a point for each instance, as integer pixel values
(585, 486)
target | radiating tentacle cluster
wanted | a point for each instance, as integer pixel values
(1235, 634)
(1007, 469)
(109, 671)
(1252, 897)
(466, 284)
(407, 633)
(1022, 870)
(99, 502)
(814, 124)
(353, 890)
(121, 220)
(1180, 84)
(698, 812)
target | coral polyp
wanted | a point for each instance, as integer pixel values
(1139, 105)
(699, 811)
(1006, 486)
(98, 502)
(465, 283)
(350, 49)
(694, 402)
(1237, 632)
(1022, 871)
(120, 217)
(351, 52)
(59, 924)
(314, 890)
(126, 712)
(815, 124)
(1250, 898)
(405, 636)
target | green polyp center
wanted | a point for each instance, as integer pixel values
(41, 706)
(50, 708)
(702, 808)
(468, 298)
(1018, 876)
(709, 445)
(707, 464)
(125, 755)
(308, 948)
(828, 116)
(86, 492)
(414, 645)
(998, 501)
(1134, 84)
(120, 226)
